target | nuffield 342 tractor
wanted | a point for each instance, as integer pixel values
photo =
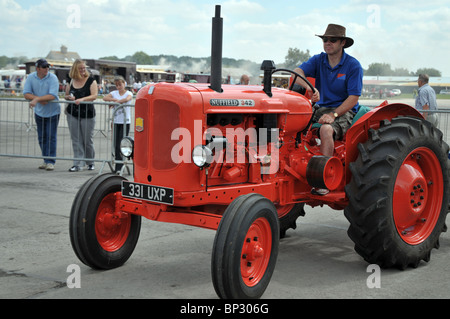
(242, 160)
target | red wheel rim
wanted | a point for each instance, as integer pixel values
(112, 228)
(418, 195)
(256, 252)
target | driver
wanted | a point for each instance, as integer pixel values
(339, 82)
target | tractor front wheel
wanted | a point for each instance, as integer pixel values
(101, 236)
(398, 195)
(245, 248)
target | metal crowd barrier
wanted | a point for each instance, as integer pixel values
(11, 91)
(18, 133)
(443, 122)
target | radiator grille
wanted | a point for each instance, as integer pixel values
(165, 118)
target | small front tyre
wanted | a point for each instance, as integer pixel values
(245, 248)
(102, 237)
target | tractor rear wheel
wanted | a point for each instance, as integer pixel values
(245, 248)
(399, 193)
(102, 237)
(288, 215)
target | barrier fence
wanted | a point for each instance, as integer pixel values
(443, 123)
(18, 132)
(19, 137)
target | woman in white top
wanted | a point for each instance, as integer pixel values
(122, 116)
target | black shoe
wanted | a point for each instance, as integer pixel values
(91, 167)
(75, 169)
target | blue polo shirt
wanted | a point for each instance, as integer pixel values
(40, 87)
(335, 84)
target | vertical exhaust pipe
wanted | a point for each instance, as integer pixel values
(216, 52)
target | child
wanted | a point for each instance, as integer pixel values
(122, 116)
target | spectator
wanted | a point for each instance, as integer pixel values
(426, 100)
(122, 116)
(245, 80)
(81, 117)
(41, 87)
(18, 82)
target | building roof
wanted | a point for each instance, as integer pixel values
(142, 68)
(63, 55)
(404, 81)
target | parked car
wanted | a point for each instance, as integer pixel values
(444, 92)
(396, 92)
(389, 93)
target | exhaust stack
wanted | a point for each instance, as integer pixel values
(216, 52)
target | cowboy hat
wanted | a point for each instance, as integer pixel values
(337, 31)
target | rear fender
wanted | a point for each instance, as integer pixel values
(359, 132)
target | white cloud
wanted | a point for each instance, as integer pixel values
(97, 2)
(407, 36)
(242, 7)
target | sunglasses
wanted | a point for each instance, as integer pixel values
(332, 40)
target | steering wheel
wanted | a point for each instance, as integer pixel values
(296, 75)
(291, 87)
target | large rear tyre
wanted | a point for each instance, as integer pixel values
(245, 248)
(288, 217)
(399, 193)
(101, 236)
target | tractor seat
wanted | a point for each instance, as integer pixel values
(362, 110)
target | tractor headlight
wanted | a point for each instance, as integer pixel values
(127, 147)
(202, 156)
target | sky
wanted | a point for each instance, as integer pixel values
(404, 33)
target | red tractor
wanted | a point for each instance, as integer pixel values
(242, 160)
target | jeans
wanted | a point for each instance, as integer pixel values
(120, 131)
(47, 138)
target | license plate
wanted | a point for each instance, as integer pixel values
(157, 194)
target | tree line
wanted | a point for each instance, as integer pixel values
(184, 63)
(12, 62)
(293, 59)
